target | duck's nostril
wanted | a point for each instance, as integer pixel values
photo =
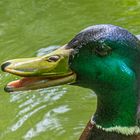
(5, 65)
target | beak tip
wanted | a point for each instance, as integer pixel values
(8, 89)
(4, 65)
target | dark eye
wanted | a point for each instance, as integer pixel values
(102, 50)
(53, 58)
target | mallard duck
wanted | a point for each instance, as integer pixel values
(104, 58)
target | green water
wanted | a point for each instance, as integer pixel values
(58, 113)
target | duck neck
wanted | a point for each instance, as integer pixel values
(119, 108)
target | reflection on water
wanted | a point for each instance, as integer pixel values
(49, 122)
(44, 51)
(58, 113)
(30, 104)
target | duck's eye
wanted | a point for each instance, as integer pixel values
(102, 50)
(53, 58)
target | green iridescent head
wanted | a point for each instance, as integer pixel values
(105, 55)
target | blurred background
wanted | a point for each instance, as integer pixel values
(58, 113)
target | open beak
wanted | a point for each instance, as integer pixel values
(40, 72)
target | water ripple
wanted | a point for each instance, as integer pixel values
(48, 122)
(20, 122)
(30, 105)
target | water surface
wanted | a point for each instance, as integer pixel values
(58, 113)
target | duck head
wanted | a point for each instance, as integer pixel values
(104, 58)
